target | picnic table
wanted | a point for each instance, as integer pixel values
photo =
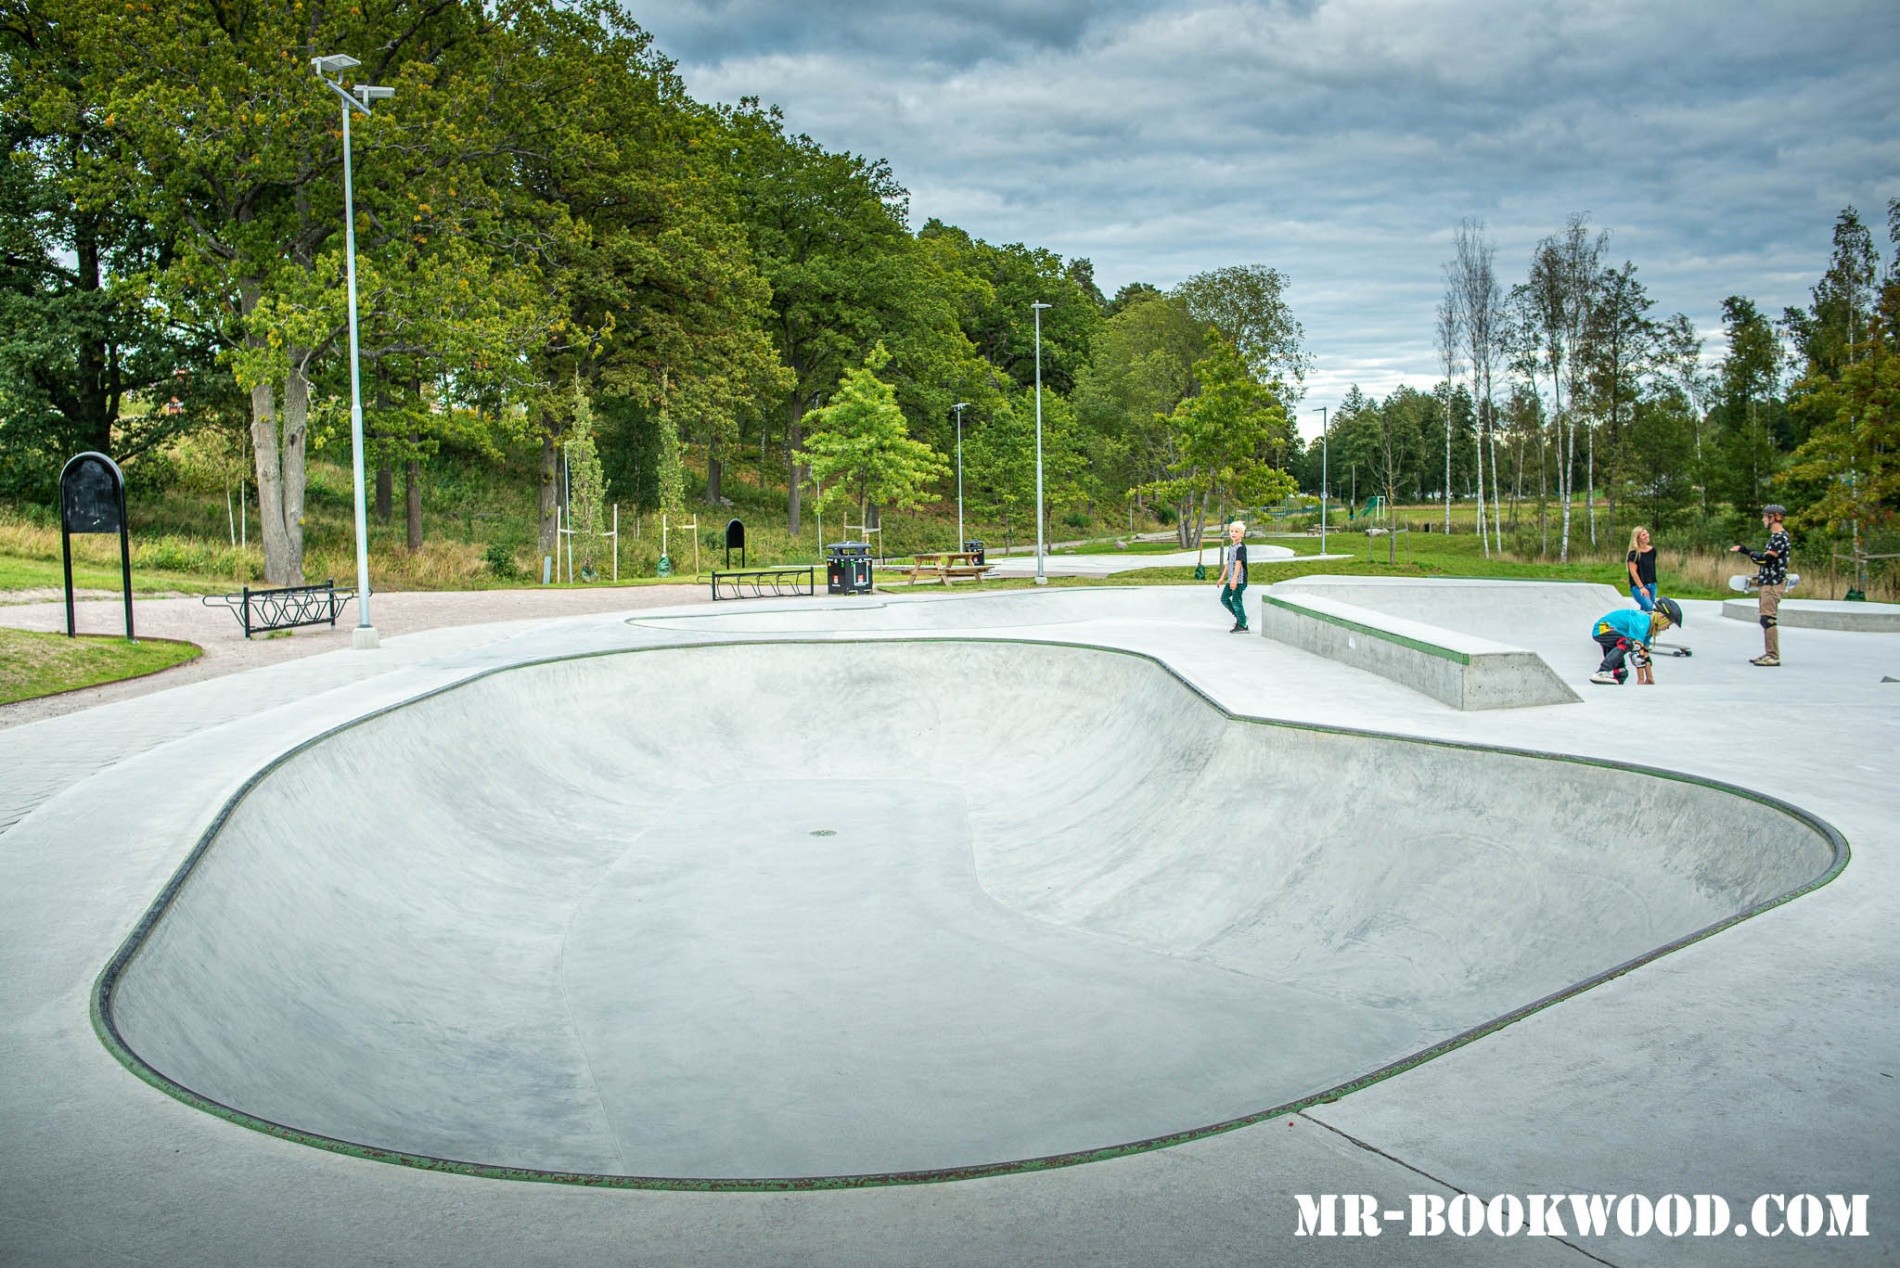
(947, 566)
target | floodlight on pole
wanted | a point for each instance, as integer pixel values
(959, 407)
(1037, 308)
(359, 98)
(1324, 419)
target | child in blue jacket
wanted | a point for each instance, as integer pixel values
(1629, 633)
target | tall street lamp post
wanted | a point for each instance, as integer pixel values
(1324, 419)
(1037, 308)
(358, 98)
(959, 407)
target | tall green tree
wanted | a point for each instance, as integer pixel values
(1247, 304)
(87, 360)
(1141, 366)
(1748, 407)
(1229, 444)
(828, 232)
(1619, 351)
(860, 448)
(1847, 471)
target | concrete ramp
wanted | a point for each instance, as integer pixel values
(732, 915)
(1431, 635)
(1822, 614)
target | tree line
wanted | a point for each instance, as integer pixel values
(1569, 409)
(555, 244)
(560, 251)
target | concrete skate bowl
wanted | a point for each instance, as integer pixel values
(814, 914)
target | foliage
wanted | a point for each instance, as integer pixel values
(1228, 443)
(860, 447)
(1247, 305)
(586, 487)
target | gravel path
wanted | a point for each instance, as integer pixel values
(227, 651)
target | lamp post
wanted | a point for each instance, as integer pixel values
(1324, 419)
(358, 98)
(959, 407)
(1037, 308)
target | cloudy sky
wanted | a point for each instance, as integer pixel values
(1341, 141)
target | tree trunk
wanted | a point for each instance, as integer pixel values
(1590, 479)
(715, 472)
(385, 493)
(412, 500)
(270, 483)
(794, 437)
(92, 353)
(296, 430)
(1484, 536)
(548, 491)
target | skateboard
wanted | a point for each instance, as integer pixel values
(1744, 583)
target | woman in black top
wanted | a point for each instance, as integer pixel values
(1641, 566)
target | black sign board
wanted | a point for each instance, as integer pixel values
(92, 500)
(735, 539)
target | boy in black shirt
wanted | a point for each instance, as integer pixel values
(1233, 577)
(1771, 582)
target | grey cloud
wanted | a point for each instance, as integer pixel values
(1342, 141)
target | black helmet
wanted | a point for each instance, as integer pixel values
(1775, 509)
(1671, 609)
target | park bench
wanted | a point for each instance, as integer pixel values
(799, 580)
(284, 607)
(947, 566)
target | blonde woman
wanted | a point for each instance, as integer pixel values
(1641, 566)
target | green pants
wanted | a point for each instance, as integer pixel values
(1233, 598)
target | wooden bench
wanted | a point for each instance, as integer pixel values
(947, 566)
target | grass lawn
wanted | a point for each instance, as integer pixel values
(34, 664)
(17, 573)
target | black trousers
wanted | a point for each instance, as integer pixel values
(1615, 648)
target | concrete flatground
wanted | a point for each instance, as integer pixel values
(1759, 1060)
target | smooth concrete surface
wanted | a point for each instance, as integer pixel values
(551, 940)
(1760, 1060)
(1462, 670)
(1822, 614)
(1477, 606)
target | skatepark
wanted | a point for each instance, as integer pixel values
(1051, 926)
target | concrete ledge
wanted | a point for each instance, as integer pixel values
(1824, 614)
(1462, 670)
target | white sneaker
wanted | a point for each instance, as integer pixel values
(1605, 677)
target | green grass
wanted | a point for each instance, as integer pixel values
(17, 573)
(34, 664)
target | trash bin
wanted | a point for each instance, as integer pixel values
(975, 548)
(848, 568)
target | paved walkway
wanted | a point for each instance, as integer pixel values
(1761, 1060)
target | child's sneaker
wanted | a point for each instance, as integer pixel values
(1605, 677)
(1766, 661)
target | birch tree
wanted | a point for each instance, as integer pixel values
(1449, 333)
(1478, 308)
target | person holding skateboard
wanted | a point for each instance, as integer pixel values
(1771, 582)
(1629, 634)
